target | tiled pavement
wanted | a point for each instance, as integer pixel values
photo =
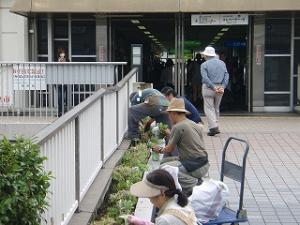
(272, 190)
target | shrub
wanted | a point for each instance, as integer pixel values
(23, 183)
(120, 201)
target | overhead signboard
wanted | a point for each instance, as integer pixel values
(219, 19)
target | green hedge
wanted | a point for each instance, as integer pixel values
(23, 183)
(120, 201)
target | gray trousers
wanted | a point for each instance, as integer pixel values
(212, 103)
(187, 180)
(142, 110)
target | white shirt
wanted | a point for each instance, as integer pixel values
(167, 219)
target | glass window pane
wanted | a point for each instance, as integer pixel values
(296, 56)
(278, 36)
(297, 27)
(277, 100)
(60, 28)
(295, 91)
(42, 36)
(83, 59)
(277, 73)
(60, 44)
(42, 59)
(83, 38)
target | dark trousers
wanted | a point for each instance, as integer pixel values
(138, 112)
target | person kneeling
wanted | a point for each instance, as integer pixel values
(186, 135)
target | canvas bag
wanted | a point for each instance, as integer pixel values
(208, 200)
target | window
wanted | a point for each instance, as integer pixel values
(83, 38)
(42, 36)
(278, 36)
(277, 100)
(277, 74)
(297, 27)
(60, 28)
(296, 56)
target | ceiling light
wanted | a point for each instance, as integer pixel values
(142, 27)
(217, 37)
(135, 21)
(154, 39)
(220, 34)
(225, 29)
(147, 32)
(151, 36)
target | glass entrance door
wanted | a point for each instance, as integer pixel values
(277, 94)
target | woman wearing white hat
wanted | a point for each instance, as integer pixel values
(159, 186)
(215, 79)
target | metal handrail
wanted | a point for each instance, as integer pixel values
(71, 63)
(50, 130)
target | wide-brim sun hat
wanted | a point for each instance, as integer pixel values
(209, 51)
(145, 189)
(177, 105)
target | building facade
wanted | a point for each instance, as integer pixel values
(258, 40)
(13, 34)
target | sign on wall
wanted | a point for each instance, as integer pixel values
(219, 19)
(29, 77)
(6, 87)
(258, 54)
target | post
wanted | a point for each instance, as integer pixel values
(102, 128)
(117, 116)
(77, 162)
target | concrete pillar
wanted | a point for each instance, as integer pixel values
(258, 66)
(101, 39)
(13, 34)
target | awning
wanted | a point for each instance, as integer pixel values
(151, 6)
(94, 6)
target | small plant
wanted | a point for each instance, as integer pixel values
(23, 183)
(162, 130)
(152, 142)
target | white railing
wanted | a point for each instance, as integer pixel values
(51, 88)
(78, 143)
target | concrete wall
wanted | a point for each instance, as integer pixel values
(154, 5)
(13, 34)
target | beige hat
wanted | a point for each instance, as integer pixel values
(145, 189)
(177, 105)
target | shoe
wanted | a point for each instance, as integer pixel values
(213, 131)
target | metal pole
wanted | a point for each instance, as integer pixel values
(102, 128)
(292, 63)
(77, 162)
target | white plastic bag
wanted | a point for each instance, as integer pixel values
(174, 173)
(208, 199)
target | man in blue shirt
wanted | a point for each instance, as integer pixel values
(194, 115)
(214, 80)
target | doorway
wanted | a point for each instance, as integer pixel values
(154, 33)
(231, 44)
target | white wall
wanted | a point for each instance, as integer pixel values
(13, 34)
